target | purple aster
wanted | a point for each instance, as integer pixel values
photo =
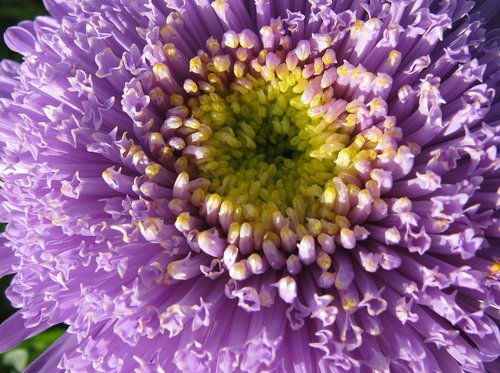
(284, 186)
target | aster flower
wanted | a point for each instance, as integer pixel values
(254, 186)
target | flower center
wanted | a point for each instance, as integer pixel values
(267, 153)
(273, 156)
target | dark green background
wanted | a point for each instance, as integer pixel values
(12, 12)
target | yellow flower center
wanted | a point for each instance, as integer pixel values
(274, 149)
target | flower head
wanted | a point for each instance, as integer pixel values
(254, 185)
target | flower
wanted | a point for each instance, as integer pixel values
(254, 185)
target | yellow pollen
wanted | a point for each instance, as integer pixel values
(394, 57)
(195, 65)
(495, 267)
(153, 170)
(222, 63)
(350, 305)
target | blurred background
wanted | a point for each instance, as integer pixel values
(14, 361)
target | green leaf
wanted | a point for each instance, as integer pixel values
(19, 358)
(16, 359)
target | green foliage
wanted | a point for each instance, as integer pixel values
(17, 359)
(11, 13)
(5, 309)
